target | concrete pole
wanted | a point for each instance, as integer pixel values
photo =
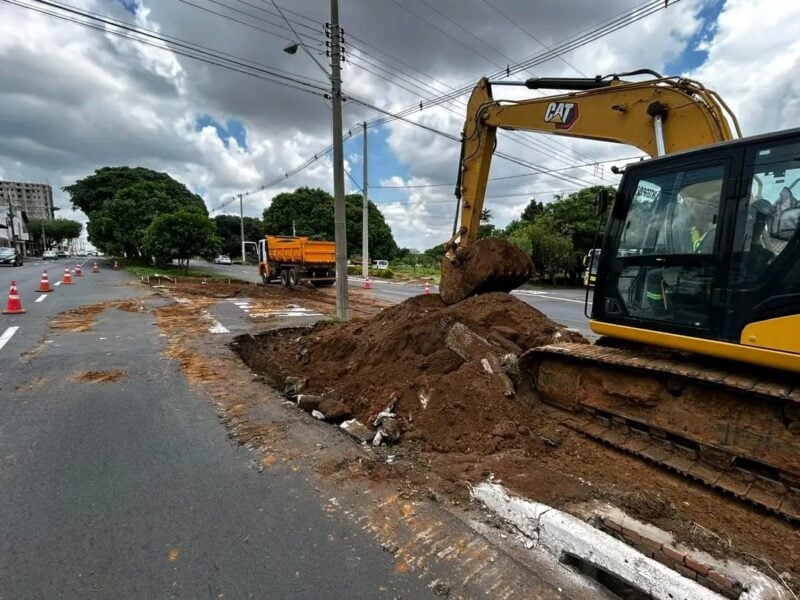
(241, 223)
(339, 217)
(365, 223)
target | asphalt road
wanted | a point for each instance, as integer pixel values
(565, 306)
(131, 489)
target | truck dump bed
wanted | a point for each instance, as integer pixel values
(300, 250)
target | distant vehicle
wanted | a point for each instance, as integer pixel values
(81, 253)
(380, 264)
(223, 260)
(90, 253)
(293, 260)
(49, 255)
(11, 257)
(63, 254)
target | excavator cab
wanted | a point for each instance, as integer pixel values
(704, 244)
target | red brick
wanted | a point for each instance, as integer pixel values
(672, 553)
(643, 549)
(664, 559)
(721, 579)
(631, 534)
(695, 565)
(612, 525)
(685, 571)
(651, 545)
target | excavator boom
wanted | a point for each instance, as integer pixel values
(658, 116)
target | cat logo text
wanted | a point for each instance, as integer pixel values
(563, 114)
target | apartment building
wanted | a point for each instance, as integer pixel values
(35, 199)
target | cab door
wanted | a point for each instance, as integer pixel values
(665, 243)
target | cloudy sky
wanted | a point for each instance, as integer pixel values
(74, 99)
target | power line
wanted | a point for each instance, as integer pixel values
(175, 45)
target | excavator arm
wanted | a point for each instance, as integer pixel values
(658, 116)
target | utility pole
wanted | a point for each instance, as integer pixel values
(365, 223)
(241, 223)
(339, 218)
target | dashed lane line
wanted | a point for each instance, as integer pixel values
(56, 283)
(7, 335)
(41, 298)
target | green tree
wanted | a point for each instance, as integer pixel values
(533, 210)
(57, 231)
(575, 216)
(486, 229)
(91, 193)
(180, 235)
(552, 253)
(229, 232)
(310, 210)
(121, 202)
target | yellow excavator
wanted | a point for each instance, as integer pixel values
(697, 292)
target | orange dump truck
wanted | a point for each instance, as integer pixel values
(293, 260)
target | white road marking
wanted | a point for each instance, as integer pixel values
(216, 326)
(57, 283)
(546, 296)
(7, 335)
(40, 298)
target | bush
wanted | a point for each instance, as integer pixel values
(384, 273)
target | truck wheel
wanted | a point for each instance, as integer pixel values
(292, 277)
(284, 278)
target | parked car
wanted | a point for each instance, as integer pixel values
(80, 253)
(10, 256)
(49, 255)
(63, 254)
(223, 260)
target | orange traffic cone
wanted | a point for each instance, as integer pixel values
(14, 306)
(67, 277)
(116, 266)
(78, 271)
(95, 268)
(44, 283)
(427, 289)
(367, 284)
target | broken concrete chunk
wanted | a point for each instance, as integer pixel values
(333, 409)
(317, 415)
(390, 428)
(294, 385)
(487, 366)
(308, 402)
(510, 363)
(358, 430)
(378, 439)
(466, 343)
(424, 397)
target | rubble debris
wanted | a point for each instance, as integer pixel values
(334, 410)
(294, 385)
(317, 415)
(308, 402)
(358, 430)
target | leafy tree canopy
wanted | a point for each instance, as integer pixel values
(311, 211)
(56, 231)
(180, 235)
(117, 222)
(229, 232)
(92, 193)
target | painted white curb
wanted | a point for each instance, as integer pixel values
(560, 533)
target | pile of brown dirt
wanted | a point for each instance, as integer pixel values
(447, 403)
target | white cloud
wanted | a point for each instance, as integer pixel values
(74, 100)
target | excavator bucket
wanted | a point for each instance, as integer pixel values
(488, 265)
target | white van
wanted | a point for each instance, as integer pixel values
(380, 264)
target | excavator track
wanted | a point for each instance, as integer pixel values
(732, 429)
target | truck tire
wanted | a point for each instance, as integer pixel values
(292, 277)
(284, 278)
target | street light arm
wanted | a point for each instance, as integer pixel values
(293, 48)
